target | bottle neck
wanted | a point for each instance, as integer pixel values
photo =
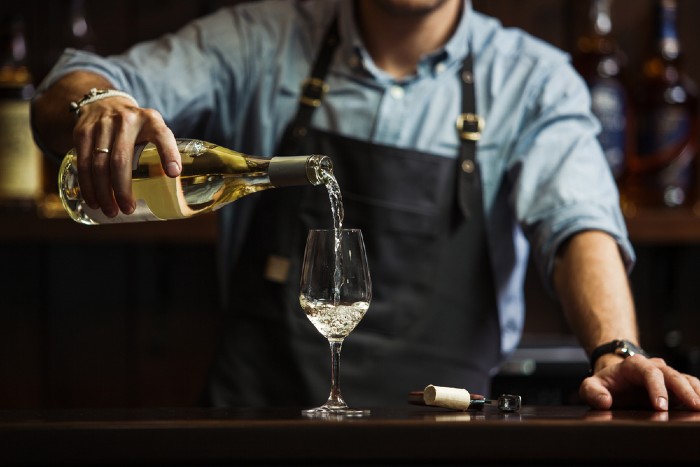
(80, 32)
(299, 170)
(667, 35)
(601, 18)
(14, 45)
(15, 76)
(598, 39)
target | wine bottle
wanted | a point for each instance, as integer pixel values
(20, 159)
(602, 64)
(212, 176)
(662, 172)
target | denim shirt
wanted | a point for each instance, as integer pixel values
(233, 78)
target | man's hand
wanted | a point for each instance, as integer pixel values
(117, 125)
(640, 381)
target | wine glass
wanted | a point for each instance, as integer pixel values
(335, 293)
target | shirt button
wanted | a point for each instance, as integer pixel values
(467, 166)
(439, 68)
(397, 92)
(467, 77)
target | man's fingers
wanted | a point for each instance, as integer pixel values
(695, 384)
(695, 398)
(128, 127)
(84, 147)
(105, 137)
(120, 176)
(638, 380)
(101, 167)
(685, 388)
(646, 372)
(163, 138)
(595, 394)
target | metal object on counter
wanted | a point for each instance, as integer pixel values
(506, 403)
(509, 403)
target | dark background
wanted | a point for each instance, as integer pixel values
(122, 317)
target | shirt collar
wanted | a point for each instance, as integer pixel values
(358, 59)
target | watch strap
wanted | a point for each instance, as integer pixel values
(619, 347)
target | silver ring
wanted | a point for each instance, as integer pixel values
(102, 150)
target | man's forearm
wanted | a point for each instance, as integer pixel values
(590, 279)
(50, 111)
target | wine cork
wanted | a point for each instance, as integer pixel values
(449, 398)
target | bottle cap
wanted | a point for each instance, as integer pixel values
(299, 170)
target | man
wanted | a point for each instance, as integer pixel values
(449, 212)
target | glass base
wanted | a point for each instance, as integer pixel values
(328, 411)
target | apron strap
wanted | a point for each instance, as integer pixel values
(313, 89)
(469, 126)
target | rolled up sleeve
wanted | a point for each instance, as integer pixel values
(561, 180)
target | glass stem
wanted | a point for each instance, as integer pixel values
(335, 398)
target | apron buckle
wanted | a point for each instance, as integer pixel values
(469, 126)
(312, 91)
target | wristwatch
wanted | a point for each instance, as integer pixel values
(621, 347)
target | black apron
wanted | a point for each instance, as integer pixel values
(433, 316)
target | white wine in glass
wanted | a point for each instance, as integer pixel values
(336, 290)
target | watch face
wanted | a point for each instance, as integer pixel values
(627, 349)
(620, 347)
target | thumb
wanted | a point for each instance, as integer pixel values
(595, 394)
(170, 157)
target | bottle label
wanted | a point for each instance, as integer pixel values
(609, 105)
(662, 129)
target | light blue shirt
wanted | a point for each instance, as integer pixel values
(233, 78)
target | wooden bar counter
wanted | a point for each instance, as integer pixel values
(400, 436)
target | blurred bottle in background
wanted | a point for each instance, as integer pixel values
(602, 64)
(77, 34)
(80, 35)
(662, 171)
(20, 159)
